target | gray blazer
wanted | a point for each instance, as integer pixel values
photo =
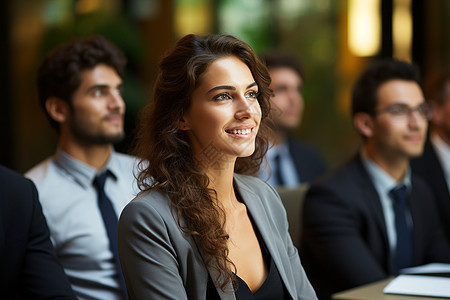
(159, 261)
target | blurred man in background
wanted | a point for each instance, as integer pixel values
(434, 164)
(290, 162)
(85, 185)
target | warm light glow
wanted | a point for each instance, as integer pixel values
(87, 6)
(364, 27)
(193, 17)
(402, 29)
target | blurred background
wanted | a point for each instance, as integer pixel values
(333, 39)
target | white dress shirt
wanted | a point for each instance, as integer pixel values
(288, 171)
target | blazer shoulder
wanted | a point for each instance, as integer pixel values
(344, 183)
(428, 160)
(15, 188)
(308, 160)
(147, 201)
(421, 186)
(303, 147)
(343, 175)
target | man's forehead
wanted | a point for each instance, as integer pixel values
(398, 90)
(100, 75)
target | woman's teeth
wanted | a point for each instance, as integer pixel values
(241, 131)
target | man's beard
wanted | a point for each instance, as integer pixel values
(85, 135)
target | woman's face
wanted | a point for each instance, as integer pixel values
(224, 116)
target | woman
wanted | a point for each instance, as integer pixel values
(200, 229)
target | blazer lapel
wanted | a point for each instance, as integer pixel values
(224, 296)
(419, 223)
(265, 227)
(371, 197)
(214, 274)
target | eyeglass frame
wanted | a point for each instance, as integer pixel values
(425, 110)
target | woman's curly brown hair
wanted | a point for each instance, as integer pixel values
(167, 161)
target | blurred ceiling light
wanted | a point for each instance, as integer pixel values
(364, 27)
(87, 6)
(193, 16)
(402, 29)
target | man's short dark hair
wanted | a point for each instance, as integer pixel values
(435, 86)
(59, 75)
(364, 96)
(275, 60)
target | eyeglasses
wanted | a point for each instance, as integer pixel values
(403, 111)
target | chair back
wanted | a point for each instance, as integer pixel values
(292, 199)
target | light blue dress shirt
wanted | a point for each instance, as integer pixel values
(288, 171)
(384, 183)
(69, 203)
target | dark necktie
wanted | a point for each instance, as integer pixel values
(404, 249)
(278, 173)
(110, 220)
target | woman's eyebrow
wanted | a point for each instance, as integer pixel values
(229, 87)
(222, 87)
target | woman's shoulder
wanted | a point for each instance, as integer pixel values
(149, 203)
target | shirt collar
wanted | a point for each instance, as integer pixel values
(82, 173)
(380, 178)
(279, 149)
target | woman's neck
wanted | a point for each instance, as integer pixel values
(221, 180)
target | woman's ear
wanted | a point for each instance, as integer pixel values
(363, 123)
(183, 124)
(58, 109)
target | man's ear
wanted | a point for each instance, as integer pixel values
(58, 109)
(364, 124)
(183, 124)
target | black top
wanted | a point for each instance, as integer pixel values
(272, 287)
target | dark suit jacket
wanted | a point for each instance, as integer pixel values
(308, 162)
(429, 168)
(28, 265)
(344, 241)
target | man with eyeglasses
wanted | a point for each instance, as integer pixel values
(372, 217)
(434, 164)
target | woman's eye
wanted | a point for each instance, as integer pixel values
(222, 97)
(251, 94)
